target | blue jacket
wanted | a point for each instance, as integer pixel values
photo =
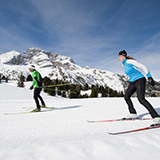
(132, 69)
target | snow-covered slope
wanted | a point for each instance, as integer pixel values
(64, 132)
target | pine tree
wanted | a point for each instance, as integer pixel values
(29, 78)
(46, 81)
(64, 94)
(6, 78)
(153, 95)
(3, 77)
(59, 92)
(103, 91)
(74, 93)
(85, 87)
(94, 92)
(50, 90)
(121, 94)
(21, 80)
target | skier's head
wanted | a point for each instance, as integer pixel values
(32, 68)
(122, 53)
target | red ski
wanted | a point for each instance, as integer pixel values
(136, 130)
(122, 119)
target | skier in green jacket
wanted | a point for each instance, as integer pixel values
(37, 85)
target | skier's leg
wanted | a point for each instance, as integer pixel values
(140, 85)
(40, 97)
(35, 96)
(131, 89)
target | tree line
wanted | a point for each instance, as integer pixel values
(74, 90)
(71, 91)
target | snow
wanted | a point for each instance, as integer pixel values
(64, 133)
(6, 57)
(88, 92)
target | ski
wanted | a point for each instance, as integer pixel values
(50, 107)
(135, 130)
(14, 113)
(42, 107)
(120, 119)
(27, 112)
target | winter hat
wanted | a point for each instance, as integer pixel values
(32, 67)
(123, 53)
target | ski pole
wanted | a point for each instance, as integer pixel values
(56, 85)
(61, 90)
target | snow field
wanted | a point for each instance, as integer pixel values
(64, 133)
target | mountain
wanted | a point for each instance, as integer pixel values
(12, 57)
(55, 66)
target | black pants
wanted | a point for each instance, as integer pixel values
(139, 87)
(37, 92)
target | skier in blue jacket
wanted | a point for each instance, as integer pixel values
(137, 82)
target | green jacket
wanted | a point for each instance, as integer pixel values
(37, 79)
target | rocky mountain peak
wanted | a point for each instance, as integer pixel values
(28, 55)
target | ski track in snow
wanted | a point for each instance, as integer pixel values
(64, 133)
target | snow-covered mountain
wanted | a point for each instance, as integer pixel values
(58, 66)
(12, 57)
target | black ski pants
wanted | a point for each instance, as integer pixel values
(139, 87)
(37, 96)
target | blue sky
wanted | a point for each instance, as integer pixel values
(91, 32)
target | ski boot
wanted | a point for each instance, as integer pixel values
(130, 116)
(156, 122)
(36, 110)
(43, 106)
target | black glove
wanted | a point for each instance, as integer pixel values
(31, 87)
(151, 81)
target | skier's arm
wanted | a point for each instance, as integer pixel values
(34, 82)
(34, 75)
(139, 65)
(38, 82)
(144, 68)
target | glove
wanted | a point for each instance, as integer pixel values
(31, 87)
(151, 81)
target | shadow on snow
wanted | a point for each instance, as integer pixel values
(144, 114)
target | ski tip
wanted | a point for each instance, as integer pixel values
(113, 133)
(117, 133)
(154, 126)
(89, 121)
(6, 114)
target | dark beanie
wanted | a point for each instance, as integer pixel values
(123, 53)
